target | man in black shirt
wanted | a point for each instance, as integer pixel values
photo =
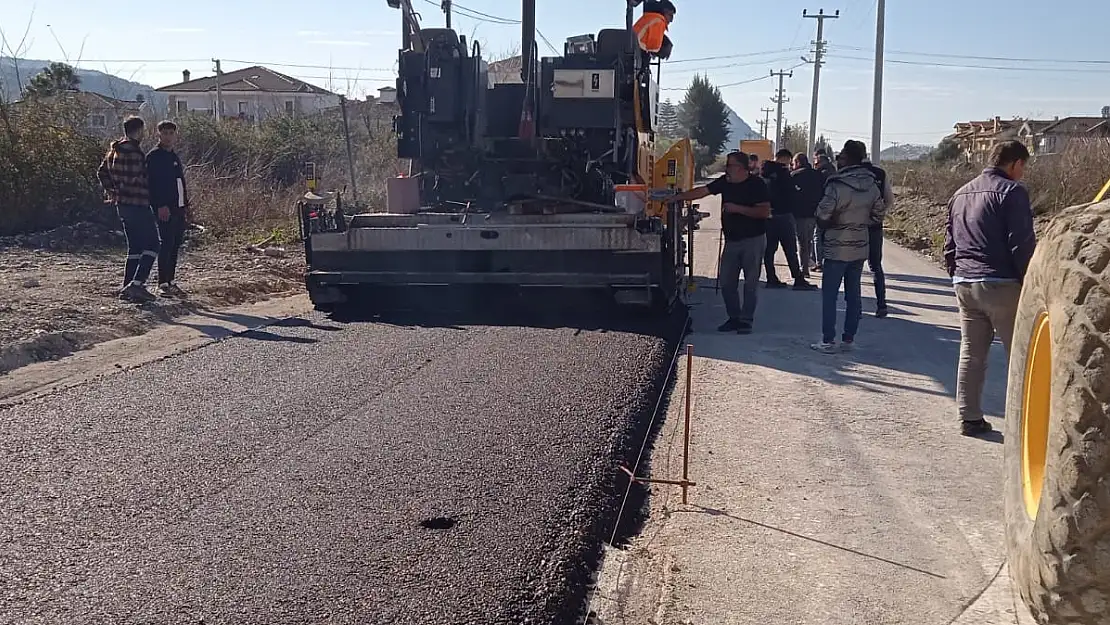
(745, 209)
(782, 229)
(170, 200)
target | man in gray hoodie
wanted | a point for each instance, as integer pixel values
(851, 204)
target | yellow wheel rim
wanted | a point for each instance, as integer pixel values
(1035, 409)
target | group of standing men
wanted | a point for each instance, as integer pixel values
(826, 218)
(149, 195)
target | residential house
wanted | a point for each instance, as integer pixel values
(978, 138)
(252, 94)
(1031, 132)
(1070, 130)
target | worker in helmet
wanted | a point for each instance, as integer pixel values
(651, 28)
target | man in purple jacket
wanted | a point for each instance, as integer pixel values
(987, 248)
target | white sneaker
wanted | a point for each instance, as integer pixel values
(825, 348)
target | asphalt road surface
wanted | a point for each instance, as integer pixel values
(327, 472)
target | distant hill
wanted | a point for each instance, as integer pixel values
(91, 80)
(738, 130)
(905, 152)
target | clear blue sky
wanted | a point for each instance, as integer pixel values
(923, 100)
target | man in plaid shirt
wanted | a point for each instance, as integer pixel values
(123, 175)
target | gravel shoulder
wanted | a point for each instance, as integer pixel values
(831, 489)
(58, 289)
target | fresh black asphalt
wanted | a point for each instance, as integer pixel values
(326, 471)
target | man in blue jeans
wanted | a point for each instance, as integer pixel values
(123, 175)
(875, 238)
(851, 204)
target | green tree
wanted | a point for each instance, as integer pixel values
(669, 125)
(704, 118)
(795, 137)
(946, 151)
(53, 80)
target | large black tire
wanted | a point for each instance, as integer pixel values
(1060, 559)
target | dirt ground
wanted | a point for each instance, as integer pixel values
(58, 288)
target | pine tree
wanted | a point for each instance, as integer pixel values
(668, 120)
(53, 80)
(703, 117)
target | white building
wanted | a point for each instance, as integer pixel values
(253, 93)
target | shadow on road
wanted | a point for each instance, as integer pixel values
(941, 282)
(459, 309)
(921, 354)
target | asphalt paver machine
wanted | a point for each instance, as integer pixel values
(541, 177)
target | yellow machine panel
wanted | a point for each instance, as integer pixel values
(645, 158)
(674, 171)
(763, 148)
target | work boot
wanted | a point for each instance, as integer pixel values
(732, 325)
(136, 294)
(976, 428)
(802, 285)
(170, 290)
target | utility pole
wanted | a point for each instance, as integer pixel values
(780, 99)
(219, 108)
(877, 113)
(818, 56)
(446, 6)
(765, 124)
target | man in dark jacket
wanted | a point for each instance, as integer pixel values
(170, 200)
(123, 176)
(823, 163)
(875, 238)
(809, 188)
(987, 247)
(781, 230)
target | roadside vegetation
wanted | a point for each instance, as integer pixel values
(242, 176)
(1055, 182)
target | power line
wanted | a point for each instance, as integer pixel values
(738, 83)
(985, 58)
(737, 56)
(475, 14)
(300, 66)
(686, 70)
(962, 66)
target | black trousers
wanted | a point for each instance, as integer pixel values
(142, 241)
(173, 235)
(781, 230)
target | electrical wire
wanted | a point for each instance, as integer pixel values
(980, 58)
(737, 56)
(299, 66)
(962, 66)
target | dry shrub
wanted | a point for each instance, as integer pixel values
(1055, 181)
(242, 176)
(47, 167)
